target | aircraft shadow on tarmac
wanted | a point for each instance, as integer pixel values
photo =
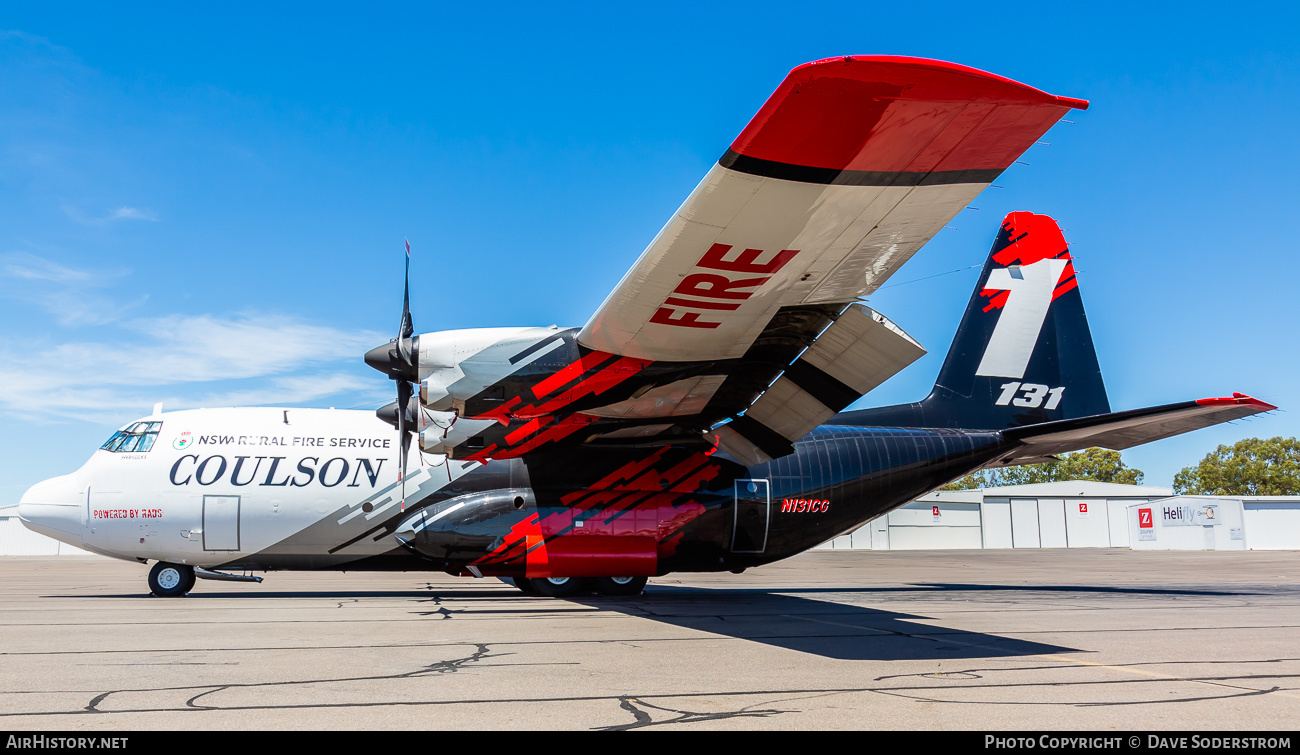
(847, 632)
(776, 617)
(829, 629)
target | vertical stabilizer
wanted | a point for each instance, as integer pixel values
(1023, 353)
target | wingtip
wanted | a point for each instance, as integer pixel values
(1239, 399)
(876, 114)
(943, 66)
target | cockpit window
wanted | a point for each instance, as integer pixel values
(137, 438)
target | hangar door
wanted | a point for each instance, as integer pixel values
(1117, 514)
(1051, 523)
(995, 523)
(1024, 522)
(220, 522)
(1272, 525)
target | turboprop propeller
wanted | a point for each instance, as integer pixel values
(400, 360)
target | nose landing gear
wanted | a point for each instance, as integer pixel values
(168, 580)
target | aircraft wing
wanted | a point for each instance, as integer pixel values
(742, 309)
(849, 168)
(1120, 430)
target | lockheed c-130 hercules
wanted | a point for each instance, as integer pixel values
(696, 422)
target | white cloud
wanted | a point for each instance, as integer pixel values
(31, 267)
(132, 213)
(121, 213)
(67, 293)
(206, 347)
(300, 389)
(241, 359)
(204, 360)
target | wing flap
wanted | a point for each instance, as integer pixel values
(861, 350)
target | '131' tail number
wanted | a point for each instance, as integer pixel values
(1031, 395)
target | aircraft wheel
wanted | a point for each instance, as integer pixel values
(524, 584)
(560, 587)
(620, 585)
(167, 580)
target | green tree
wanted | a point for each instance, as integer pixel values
(1099, 464)
(1253, 466)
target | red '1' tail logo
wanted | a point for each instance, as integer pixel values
(1038, 269)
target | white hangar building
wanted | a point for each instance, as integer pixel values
(1081, 514)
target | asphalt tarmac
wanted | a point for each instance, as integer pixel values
(984, 640)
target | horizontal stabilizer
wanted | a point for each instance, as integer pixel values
(1120, 430)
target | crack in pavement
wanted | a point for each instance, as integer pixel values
(1075, 664)
(1247, 692)
(643, 719)
(481, 652)
(639, 702)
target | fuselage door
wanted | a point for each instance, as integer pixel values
(220, 522)
(753, 509)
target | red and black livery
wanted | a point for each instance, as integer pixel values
(711, 385)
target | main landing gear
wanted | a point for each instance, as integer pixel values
(569, 587)
(167, 580)
(620, 585)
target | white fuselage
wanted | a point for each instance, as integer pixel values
(220, 484)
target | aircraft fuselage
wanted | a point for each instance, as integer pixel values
(318, 489)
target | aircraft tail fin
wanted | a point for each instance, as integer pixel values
(1023, 353)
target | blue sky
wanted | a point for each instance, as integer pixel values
(205, 205)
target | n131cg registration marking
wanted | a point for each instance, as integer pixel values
(802, 505)
(1031, 395)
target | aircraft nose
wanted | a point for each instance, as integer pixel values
(54, 508)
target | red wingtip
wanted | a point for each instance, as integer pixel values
(1239, 399)
(887, 113)
(932, 64)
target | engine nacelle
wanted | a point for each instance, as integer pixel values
(456, 366)
(452, 437)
